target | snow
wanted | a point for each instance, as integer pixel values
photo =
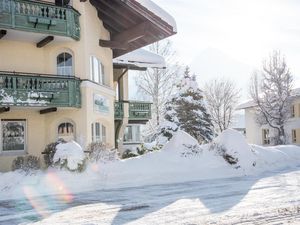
(141, 58)
(182, 159)
(71, 153)
(154, 8)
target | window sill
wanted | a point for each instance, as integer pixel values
(13, 153)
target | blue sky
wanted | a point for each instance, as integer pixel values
(237, 33)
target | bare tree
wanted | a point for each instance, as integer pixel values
(272, 95)
(222, 97)
(158, 84)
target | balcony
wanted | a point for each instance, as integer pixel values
(39, 17)
(137, 111)
(24, 89)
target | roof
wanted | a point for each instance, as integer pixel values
(133, 24)
(140, 59)
(246, 104)
(250, 103)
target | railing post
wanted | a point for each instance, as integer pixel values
(13, 13)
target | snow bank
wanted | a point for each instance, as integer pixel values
(234, 144)
(181, 159)
(70, 153)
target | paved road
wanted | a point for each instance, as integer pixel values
(270, 199)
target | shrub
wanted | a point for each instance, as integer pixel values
(221, 150)
(26, 163)
(128, 154)
(50, 151)
(70, 156)
(98, 151)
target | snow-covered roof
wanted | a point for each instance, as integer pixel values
(142, 59)
(250, 103)
(158, 11)
(246, 104)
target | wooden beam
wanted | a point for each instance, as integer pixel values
(113, 44)
(122, 40)
(2, 33)
(45, 41)
(4, 109)
(49, 110)
(133, 33)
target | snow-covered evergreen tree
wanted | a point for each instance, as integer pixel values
(186, 110)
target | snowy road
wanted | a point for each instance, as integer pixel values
(270, 199)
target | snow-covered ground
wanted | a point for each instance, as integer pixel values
(192, 181)
(271, 198)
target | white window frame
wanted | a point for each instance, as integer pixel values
(100, 68)
(266, 140)
(72, 71)
(13, 152)
(102, 137)
(133, 139)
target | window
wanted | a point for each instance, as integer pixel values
(98, 132)
(65, 129)
(293, 111)
(132, 133)
(97, 70)
(294, 136)
(266, 136)
(64, 64)
(13, 135)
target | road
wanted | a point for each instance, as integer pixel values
(273, 198)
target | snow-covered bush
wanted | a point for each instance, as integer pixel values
(232, 146)
(70, 156)
(99, 152)
(50, 151)
(128, 153)
(26, 163)
(148, 147)
(184, 144)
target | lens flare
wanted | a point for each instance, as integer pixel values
(59, 187)
(37, 203)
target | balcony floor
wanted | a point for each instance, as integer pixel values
(30, 37)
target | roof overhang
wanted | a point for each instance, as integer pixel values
(133, 24)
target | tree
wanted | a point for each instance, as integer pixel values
(272, 95)
(158, 84)
(222, 97)
(186, 110)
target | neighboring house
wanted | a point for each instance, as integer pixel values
(238, 123)
(58, 75)
(262, 135)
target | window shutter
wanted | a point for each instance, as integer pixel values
(102, 74)
(103, 134)
(93, 137)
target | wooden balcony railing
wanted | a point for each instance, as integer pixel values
(137, 110)
(26, 89)
(39, 17)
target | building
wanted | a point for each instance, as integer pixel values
(59, 74)
(262, 135)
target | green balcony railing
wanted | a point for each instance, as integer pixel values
(119, 110)
(26, 89)
(137, 110)
(39, 17)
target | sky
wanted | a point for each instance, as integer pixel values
(230, 38)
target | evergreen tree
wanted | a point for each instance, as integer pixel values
(186, 110)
